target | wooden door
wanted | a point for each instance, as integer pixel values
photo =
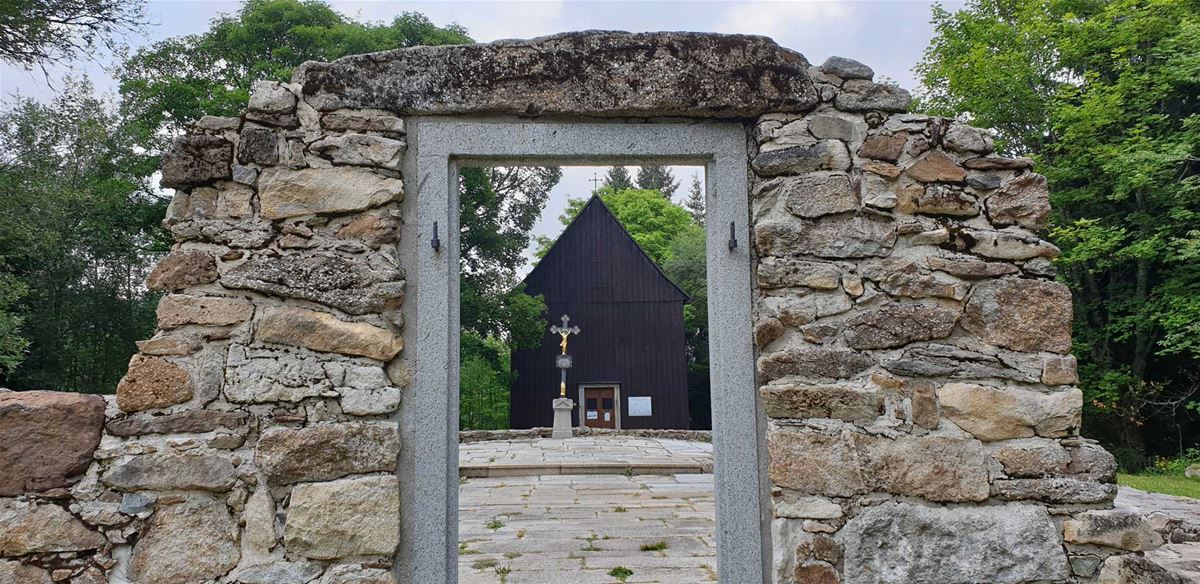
(599, 407)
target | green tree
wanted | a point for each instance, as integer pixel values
(657, 178)
(651, 220)
(174, 82)
(498, 209)
(12, 341)
(617, 179)
(78, 231)
(1103, 95)
(37, 33)
(694, 203)
(484, 378)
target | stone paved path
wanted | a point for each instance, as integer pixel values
(1183, 555)
(584, 455)
(575, 529)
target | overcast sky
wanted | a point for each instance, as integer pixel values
(887, 35)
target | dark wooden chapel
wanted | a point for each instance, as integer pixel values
(629, 365)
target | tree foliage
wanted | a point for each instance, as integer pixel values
(651, 220)
(39, 33)
(1104, 95)
(694, 203)
(617, 179)
(176, 81)
(498, 209)
(657, 178)
(78, 232)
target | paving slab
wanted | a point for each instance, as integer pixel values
(578, 528)
(584, 456)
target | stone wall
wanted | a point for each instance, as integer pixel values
(915, 354)
(914, 348)
(253, 438)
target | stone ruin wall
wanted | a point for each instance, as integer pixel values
(913, 355)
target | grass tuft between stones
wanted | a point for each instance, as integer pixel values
(620, 573)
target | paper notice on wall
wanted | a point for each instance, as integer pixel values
(592, 415)
(640, 406)
(607, 416)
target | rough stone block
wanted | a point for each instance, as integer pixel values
(46, 439)
(324, 332)
(821, 155)
(176, 310)
(1031, 457)
(344, 518)
(905, 543)
(327, 451)
(1136, 569)
(991, 413)
(153, 382)
(271, 97)
(776, 272)
(834, 237)
(190, 542)
(285, 192)
(902, 277)
(807, 507)
(815, 464)
(1007, 245)
(362, 120)
(1059, 370)
(186, 422)
(934, 467)
(1115, 529)
(964, 138)
(264, 375)
(349, 284)
(30, 528)
(896, 325)
(258, 146)
(196, 160)
(965, 266)
(846, 68)
(369, 402)
(937, 199)
(1023, 201)
(887, 147)
(1058, 490)
(361, 150)
(18, 573)
(1020, 314)
(821, 401)
(944, 360)
(998, 163)
(1093, 462)
(793, 311)
(181, 269)
(819, 362)
(172, 471)
(811, 195)
(859, 95)
(937, 167)
(373, 229)
(594, 73)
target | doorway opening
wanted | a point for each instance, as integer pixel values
(440, 154)
(602, 316)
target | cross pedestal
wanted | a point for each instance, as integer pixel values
(562, 418)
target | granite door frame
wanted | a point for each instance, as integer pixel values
(428, 469)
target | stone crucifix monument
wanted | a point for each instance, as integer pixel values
(563, 404)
